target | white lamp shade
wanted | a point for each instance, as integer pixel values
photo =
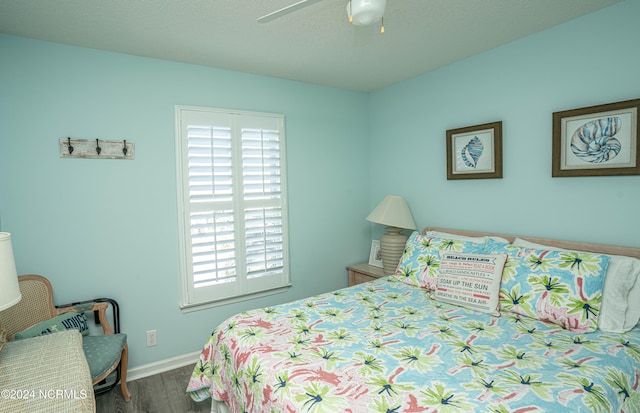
(366, 12)
(393, 211)
(9, 288)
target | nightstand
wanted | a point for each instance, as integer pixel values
(361, 273)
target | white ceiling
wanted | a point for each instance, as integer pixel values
(315, 44)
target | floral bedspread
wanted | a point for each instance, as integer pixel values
(387, 347)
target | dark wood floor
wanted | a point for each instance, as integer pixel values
(161, 393)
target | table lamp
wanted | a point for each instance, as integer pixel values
(393, 212)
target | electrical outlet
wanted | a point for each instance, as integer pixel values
(152, 338)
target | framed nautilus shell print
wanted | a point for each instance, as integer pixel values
(597, 140)
(475, 151)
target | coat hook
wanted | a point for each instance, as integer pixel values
(69, 146)
(124, 148)
(98, 148)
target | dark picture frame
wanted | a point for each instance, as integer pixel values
(597, 140)
(475, 152)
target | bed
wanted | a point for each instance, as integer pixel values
(546, 326)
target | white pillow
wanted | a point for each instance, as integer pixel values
(447, 235)
(470, 280)
(620, 310)
(633, 310)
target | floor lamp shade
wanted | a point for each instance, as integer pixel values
(394, 213)
(9, 288)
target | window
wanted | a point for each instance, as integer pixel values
(232, 204)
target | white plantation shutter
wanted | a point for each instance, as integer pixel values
(262, 188)
(264, 239)
(232, 201)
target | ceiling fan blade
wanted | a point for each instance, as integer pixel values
(286, 10)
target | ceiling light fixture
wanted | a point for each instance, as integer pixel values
(366, 12)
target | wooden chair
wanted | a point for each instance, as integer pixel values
(104, 353)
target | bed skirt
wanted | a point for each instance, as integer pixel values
(218, 406)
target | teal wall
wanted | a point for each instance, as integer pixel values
(109, 227)
(589, 61)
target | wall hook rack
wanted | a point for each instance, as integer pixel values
(96, 148)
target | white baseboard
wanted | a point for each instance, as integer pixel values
(162, 366)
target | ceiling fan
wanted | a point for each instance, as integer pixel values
(360, 12)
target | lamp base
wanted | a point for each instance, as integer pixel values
(392, 245)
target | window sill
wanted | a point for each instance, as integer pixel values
(188, 308)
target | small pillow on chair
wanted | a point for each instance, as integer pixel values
(66, 321)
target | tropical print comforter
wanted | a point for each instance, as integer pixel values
(386, 346)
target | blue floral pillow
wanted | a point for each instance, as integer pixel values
(561, 287)
(420, 261)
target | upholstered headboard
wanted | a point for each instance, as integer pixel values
(570, 245)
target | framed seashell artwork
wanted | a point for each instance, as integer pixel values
(475, 151)
(597, 140)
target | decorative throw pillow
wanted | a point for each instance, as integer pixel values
(617, 293)
(66, 321)
(471, 280)
(561, 287)
(420, 261)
